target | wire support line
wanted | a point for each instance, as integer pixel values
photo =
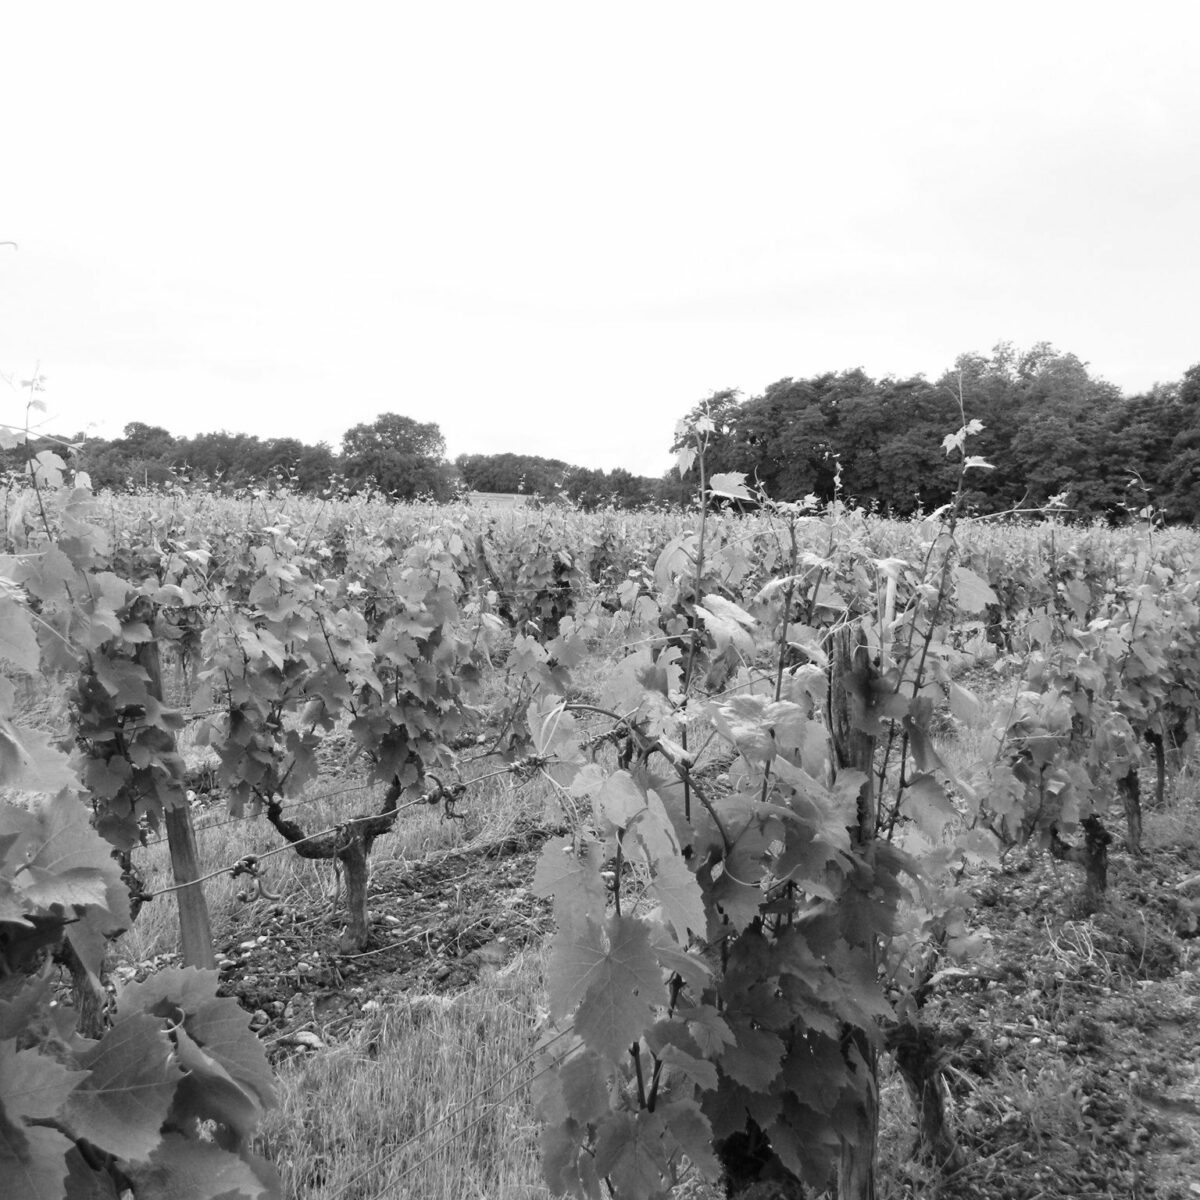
(250, 861)
(483, 1091)
(361, 787)
(248, 864)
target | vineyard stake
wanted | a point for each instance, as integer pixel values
(195, 929)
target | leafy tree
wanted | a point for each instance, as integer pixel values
(1043, 418)
(510, 473)
(888, 439)
(314, 465)
(784, 438)
(1180, 483)
(145, 455)
(1134, 455)
(403, 457)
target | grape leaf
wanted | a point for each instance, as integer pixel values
(47, 469)
(18, 644)
(675, 888)
(85, 1183)
(585, 1080)
(33, 1085)
(815, 1071)
(688, 1128)
(64, 840)
(208, 1093)
(620, 800)
(731, 484)
(754, 1059)
(710, 1030)
(28, 761)
(181, 1169)
(928, 805)
(698, 1070)
(728, 1107)
(121, 1107)
(618, 976)
(218, 1024)
(76, 885)
(35, 1170)
(573, 881)
(623, 690)
(656, 831)
(630, 1151)
(806, 1142)
(973, 593)
(562, 1160)
(19, 1005)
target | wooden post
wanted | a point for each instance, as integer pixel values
(195, 930)
(1130, 788)
(849, 675)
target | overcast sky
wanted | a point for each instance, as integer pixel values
(552, 228)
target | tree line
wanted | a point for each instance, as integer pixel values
(393, 454)
(1052, 431)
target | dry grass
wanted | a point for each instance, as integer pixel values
(427, 1100)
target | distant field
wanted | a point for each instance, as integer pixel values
(498, 499)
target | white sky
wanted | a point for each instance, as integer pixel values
(552, 228)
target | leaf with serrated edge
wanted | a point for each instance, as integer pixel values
(572, 881)
(698, 1070)
(631, 1152)
(208, 1093)
(710, 1029)
(181, 1169)
(676, 890)
(20, 1006)
(689, 1129)
(619, 978)
(86, 1183)
(754, 1059)
(620, 801)
(122, 1106)
(973, 593)
(655, 830)
(815, 1071)
(64, 840)
(585, 1080)
(725, 609)
(18, 643)
(28, 761)
(38, 1170)
(731, 484)
(928, 805)
(33, 1085)
(693, 970)
(217, 1023)
(76, 885)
